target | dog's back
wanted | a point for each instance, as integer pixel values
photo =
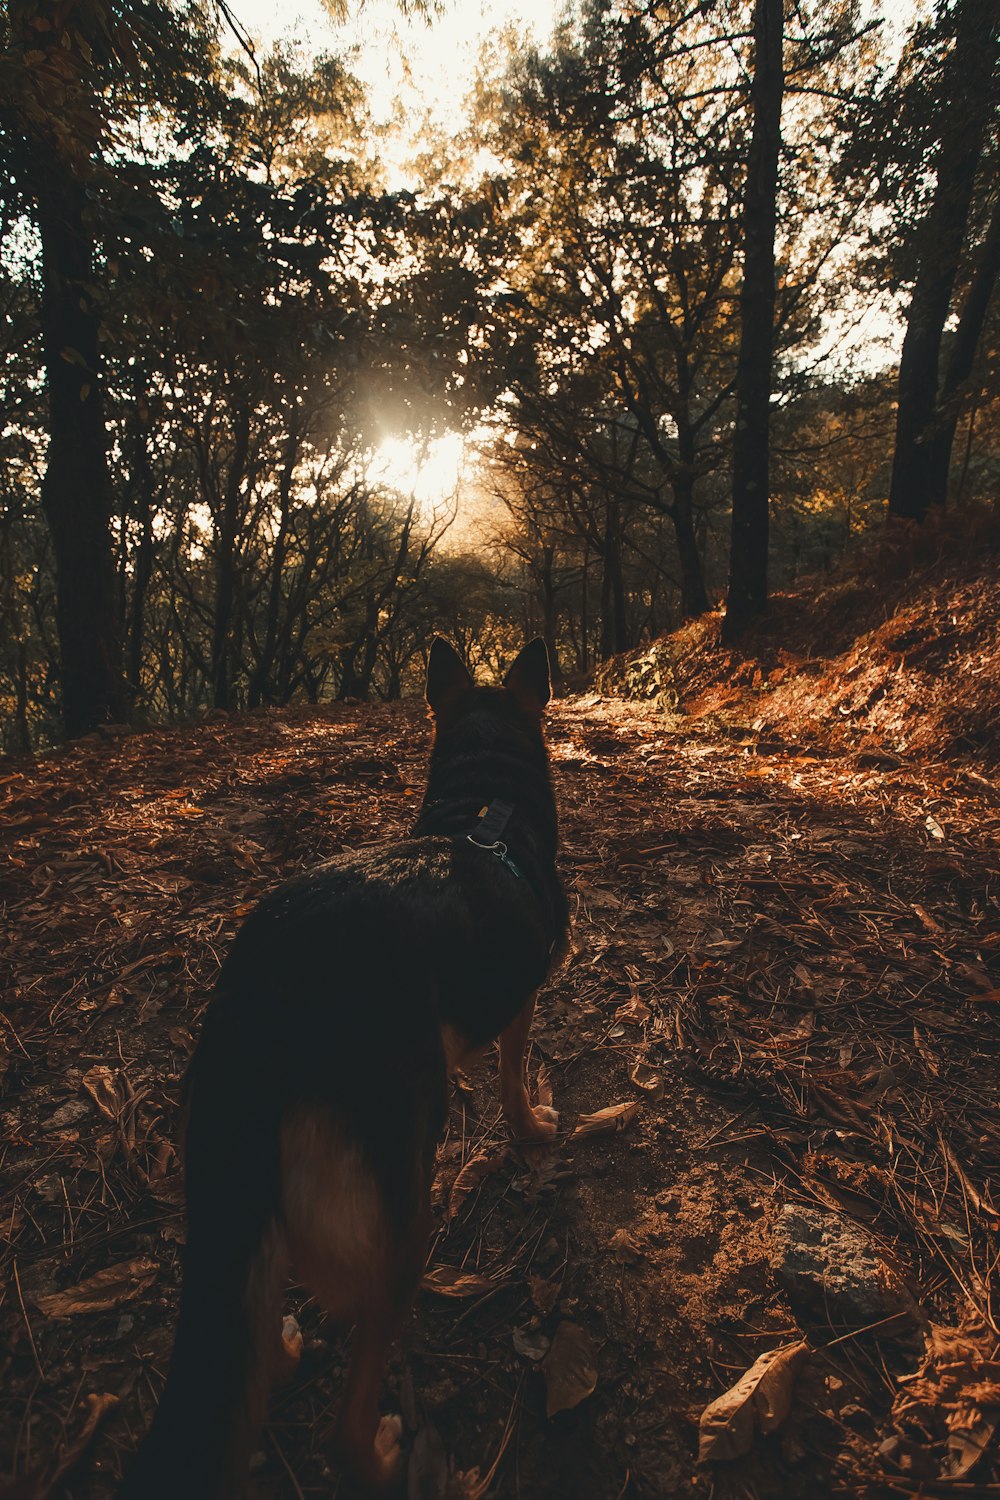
(318, 1090)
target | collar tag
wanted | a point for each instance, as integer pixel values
(493, 819)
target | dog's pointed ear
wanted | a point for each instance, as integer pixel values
(447, 676)
(528, 679)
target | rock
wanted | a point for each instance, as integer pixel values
(834, 1275)
(68, 1114)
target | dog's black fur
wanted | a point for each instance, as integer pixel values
(318, 1090)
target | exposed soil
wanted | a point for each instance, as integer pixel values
(792, 950)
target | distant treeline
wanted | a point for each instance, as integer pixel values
(648, 282)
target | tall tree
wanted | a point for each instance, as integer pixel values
(966, 100)
(962, 359)
(51, 114)
(747, 596)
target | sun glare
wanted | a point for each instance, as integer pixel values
(417, 69)
(429, 470)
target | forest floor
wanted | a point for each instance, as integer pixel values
(783, 989)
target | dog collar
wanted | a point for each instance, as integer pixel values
(493, 819)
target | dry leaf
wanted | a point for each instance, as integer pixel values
(544, 1086)
(970, 1432)
(961, 1382)
(163, 1156)
(607, 1121)
(475, 1172)
(531, 1342)
(544, 1293)
(570, 1369)
(99, 1293)
(102, 1086)
(647, 1079)
(452, 1281)
(635, 1012)
(625, 1247)
(760, 1398)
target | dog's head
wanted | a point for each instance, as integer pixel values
(526, 686)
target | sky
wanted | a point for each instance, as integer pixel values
(415, 67)
(409, 66)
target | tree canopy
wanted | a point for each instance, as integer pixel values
(216, 312)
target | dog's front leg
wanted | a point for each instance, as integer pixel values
(527, 1122)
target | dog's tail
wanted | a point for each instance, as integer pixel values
(229, 1321)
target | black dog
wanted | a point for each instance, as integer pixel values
(318, 1091)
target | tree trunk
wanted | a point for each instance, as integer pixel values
(938, 446)
(547, 590)
(143, 486)
(747, 595)
(583, 662)
(76, 489)
(226, 566)
(613, 632)
(357, 661)
(694, 597)
(915, 483)
(261, 687)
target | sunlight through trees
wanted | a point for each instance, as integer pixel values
(280, 397)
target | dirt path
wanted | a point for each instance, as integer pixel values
(785, 968)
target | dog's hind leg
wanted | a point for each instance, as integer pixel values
(527, 1122)
(367, 1443)
(364, 1265)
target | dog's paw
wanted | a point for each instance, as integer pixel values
(289, 1350)
(538, 1124)
(388, 1455)
(376, 1466)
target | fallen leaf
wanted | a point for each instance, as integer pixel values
(452, 1281)
(101, 1084)
(607, 1121)
(647, 1079)
(104, 1290)
(635, 1012)
(760, 1398)
(960, 1381)
(970, 1433)
(570, 1369)
(625, 1247)
(531, 1342)
(544, 1293)
(472, 1175)
(163, 1156)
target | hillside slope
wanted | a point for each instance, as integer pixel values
(898, 655)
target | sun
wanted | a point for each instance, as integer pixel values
(430, 470)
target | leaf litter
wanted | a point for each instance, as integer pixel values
(759, 1401)
(782, 985)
